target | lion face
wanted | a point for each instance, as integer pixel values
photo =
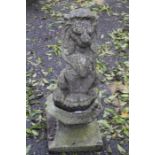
(82, 32)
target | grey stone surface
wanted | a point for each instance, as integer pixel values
(70, 118)
(76, 138)
(76, 83)
(81, 13)
(75, 103)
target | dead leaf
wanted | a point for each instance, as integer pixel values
(109, 149)
(121, 149)
(100, 2)
(118, 86)
(125, 114)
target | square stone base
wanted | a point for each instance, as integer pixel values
(76, 138)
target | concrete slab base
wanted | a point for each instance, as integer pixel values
(76, 138)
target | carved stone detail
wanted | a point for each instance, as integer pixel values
(75, 101)
(76, 82)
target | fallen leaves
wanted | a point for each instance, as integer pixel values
(28, 148)
(120, 38)
(104, 50)
(115, 122)
(56, 48)
(104, 8)
(99, 2)
(118, 86)
(121, 149)
(125, 114)
(100, 67)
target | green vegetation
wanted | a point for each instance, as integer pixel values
(115, 122)
(56, 48)
(120, 39)
(104, 8)
(105, 50)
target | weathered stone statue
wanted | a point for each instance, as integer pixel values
(75, 103)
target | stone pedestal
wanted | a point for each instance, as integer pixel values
(73, 137)
(76, 138)
(73, 118)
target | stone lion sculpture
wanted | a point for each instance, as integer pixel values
(76, 82)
